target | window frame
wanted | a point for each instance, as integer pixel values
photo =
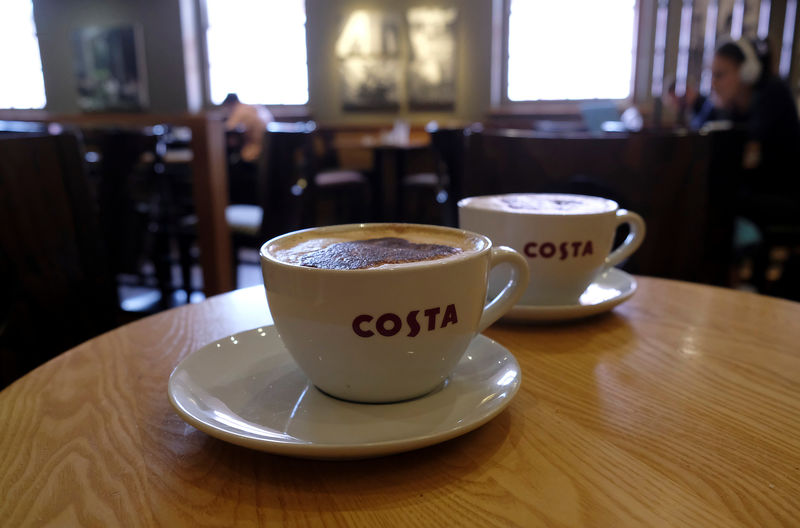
(279, 111)
(21, 112)
(502, 105)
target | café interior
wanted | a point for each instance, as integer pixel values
(148, 148)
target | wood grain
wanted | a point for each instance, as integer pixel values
(680, 408)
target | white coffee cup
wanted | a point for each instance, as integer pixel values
(565, 238)
(391, 332)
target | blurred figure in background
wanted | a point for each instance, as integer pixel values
(252, 120)
(691, 108)
(246, 126)
(745, 92)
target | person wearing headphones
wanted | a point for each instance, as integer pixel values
(744, 91)
(761, 104)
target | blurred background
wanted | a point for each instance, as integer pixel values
(148, 148)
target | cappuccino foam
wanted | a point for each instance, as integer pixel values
(551, 204)
(380, 246)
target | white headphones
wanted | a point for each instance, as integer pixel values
(750, 70)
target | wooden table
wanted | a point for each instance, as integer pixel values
(389, 165)
(390, 162)
(680, 408)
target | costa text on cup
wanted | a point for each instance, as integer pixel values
(390, 324)
(560, 251)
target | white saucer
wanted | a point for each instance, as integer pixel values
(607, 291)
(246, 389)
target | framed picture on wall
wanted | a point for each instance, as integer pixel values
(431, 78)
(370, 83)
(109, 67)
(368, 51)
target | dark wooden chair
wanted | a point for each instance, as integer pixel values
(278, 202)
(780, 230)
(173, 218)
(336, 194)
(664, 177)
(146, 210)
(769, 198)
(421, 195)
(435, 195)
(295, 188)
(120, 192)
(449, 146)
(243, 178)
(57, 290)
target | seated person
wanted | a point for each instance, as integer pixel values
(253, 120)
(746, 93)
(761, 104)
(689, 106)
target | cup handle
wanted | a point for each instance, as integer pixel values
(632, 241)
(512, 291)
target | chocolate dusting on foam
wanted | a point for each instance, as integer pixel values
(360, 254)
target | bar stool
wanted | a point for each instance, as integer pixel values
(437, 193)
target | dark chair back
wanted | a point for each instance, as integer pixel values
(664, 177)
(56, 287)
(288, 177)
(242, 175)
(448, 147)
(123, 225)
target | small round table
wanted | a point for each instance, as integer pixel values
(680, 407)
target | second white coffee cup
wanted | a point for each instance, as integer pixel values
(566, 239)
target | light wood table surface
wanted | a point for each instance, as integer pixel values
(679, 408)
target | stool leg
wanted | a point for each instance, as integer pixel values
(236, 243)
(161, 262)
(185, 259)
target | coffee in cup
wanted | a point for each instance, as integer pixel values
(383, 312)
(565, 238)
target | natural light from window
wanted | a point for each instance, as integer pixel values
(257, 50)
(570, 49)
(22, 84)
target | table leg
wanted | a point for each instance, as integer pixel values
(378, 174)
(399, 173)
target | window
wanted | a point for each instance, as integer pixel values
(257, 50)
(20, 63)
(570, 49)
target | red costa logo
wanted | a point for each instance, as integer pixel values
(560, 251)
(390, 324)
